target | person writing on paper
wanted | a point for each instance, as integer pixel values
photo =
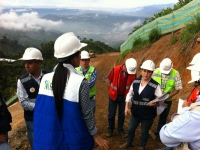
(143, 90)
(170, 82)
(184, 129)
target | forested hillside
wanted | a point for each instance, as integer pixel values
(11, 71)
(8, 46)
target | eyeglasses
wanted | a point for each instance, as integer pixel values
(148, 71)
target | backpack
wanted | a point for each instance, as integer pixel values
(5, 117)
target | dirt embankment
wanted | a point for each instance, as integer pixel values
(180, 55)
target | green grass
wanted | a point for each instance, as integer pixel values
(174, 39)
(191, 29)
(154, 35)
(139, 43)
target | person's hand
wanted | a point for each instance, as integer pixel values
(101, 142)
(88, 80)
(185, 103)
(151, 104)
(3, 138)
(127, 111)
(157, 104)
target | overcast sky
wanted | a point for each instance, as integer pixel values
(13, 21)
(84, 3)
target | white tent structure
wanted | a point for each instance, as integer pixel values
(8, 60)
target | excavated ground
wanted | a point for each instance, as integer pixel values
(180, 55)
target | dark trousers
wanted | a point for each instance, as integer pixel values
(30, 132)
(112, 108)
(145, 127)
(163, 117)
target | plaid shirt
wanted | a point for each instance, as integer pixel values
(86, 108)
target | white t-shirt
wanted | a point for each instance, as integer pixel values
(158, 91)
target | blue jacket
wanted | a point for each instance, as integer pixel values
(71, 132)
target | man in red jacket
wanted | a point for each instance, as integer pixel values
(119, 81)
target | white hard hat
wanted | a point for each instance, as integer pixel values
(195, 67)
(166, 66)
(32, 53)
(85, 55)
(66, 45)
(148, 65)
(195, 59)
(131, 65)
(195, 75)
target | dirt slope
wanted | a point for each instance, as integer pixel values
(180, 55)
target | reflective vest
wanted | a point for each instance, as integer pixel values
(116, 83)
(139, 107)
(170, 84)
(88, 75)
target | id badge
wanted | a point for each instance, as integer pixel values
(163, 86)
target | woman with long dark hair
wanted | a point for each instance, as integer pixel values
(63, 118)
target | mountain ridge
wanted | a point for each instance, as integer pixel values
(111, 27)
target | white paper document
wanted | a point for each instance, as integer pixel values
(180, 103)
(161, 108)
(162, 98)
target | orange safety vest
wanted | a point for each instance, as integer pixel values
(116, 83)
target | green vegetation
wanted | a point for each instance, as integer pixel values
(139, 43)
(98, 47)
(47, 50)
(154, 35)
(10, 72)
(164, 12)
(10, 46)
(191, 29)
(174, 39)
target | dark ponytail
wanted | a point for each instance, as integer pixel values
(60, 78)
(59, 82)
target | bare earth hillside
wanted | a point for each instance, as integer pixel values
(180, 55)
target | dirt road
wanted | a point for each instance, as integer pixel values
(104, 63)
